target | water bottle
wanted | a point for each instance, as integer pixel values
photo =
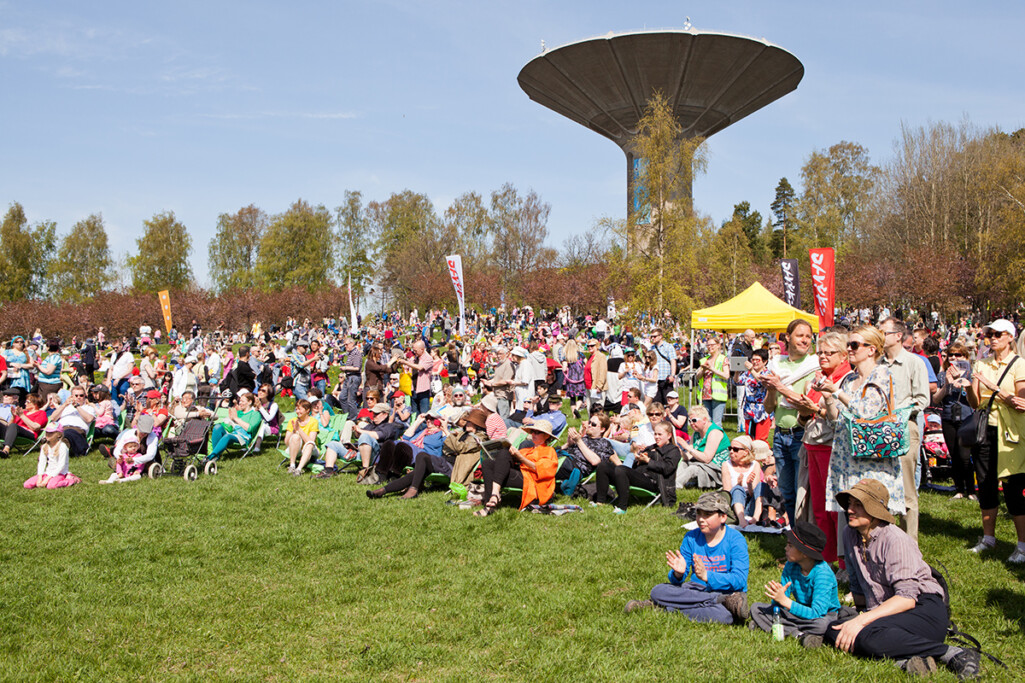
(777, 625)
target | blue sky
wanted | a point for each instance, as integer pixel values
(204, 107)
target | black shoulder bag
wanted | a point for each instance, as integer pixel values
(972, 431)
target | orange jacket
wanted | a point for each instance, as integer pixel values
(539, 484)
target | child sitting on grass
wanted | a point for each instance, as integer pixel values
(716, 556)
(742, 480)
(126, 469)
(806, 592)
(52, 470)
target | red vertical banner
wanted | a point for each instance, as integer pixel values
(823, 279)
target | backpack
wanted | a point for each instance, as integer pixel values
(954, 634)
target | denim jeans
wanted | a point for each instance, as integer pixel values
(421, 402)
(716, 409)
(740, 495)
(786, 448)
(301, 391)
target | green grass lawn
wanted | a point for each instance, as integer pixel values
(254, 574)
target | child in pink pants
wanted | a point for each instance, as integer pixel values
(52, 470)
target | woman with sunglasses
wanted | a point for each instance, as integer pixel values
(586, 450)
(819, 432)
(1001, 456)
(864, 393)
(952, 400)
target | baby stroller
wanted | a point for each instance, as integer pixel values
(184, 451)
(935, 455)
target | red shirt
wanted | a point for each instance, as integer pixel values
(39, 417)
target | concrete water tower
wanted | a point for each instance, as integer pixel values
(711, 80)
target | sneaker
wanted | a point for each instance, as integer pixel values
(109, 455)
(326, 473)
(981, 546)
(1017, 557)
(736, 604)
(920, 666)
(810, 641)
(965, 665)
(638, 605)
(296, 472)
(618, 511)
(291, 469)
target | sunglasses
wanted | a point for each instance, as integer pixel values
(855, 345)
(594, 424)
(956, 355)
(654, 414)
(826, 353)
(990, 334)
(737, 449)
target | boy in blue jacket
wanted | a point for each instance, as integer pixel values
(806, 592)
(715, 556)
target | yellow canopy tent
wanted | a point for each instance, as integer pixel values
(756, 308)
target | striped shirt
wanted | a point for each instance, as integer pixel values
(889, 564)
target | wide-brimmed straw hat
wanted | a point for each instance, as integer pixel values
(873, 496)
(541, 426)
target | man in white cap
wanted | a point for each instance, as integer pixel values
(523, 381)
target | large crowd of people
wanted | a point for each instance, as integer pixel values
(834, 435)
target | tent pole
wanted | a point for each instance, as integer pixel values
(690, 388)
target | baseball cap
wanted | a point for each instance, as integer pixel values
(712, 502)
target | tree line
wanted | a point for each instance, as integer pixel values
(941, 224)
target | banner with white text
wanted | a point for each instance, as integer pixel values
(455, 270)
(791, 282)
(823, 279)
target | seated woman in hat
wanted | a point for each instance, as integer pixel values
(530, 467)
(905, 618)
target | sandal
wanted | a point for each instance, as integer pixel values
(489, 508)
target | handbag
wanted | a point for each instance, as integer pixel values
(972, 431)
(881, 437)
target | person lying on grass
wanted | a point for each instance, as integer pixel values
(806, 593)
(906, 617)
(530, 467)
(716, 557)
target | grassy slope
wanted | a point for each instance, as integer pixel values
(256, 575)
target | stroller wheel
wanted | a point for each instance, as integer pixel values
(190, 473)
(211, 468)
(155, 470)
